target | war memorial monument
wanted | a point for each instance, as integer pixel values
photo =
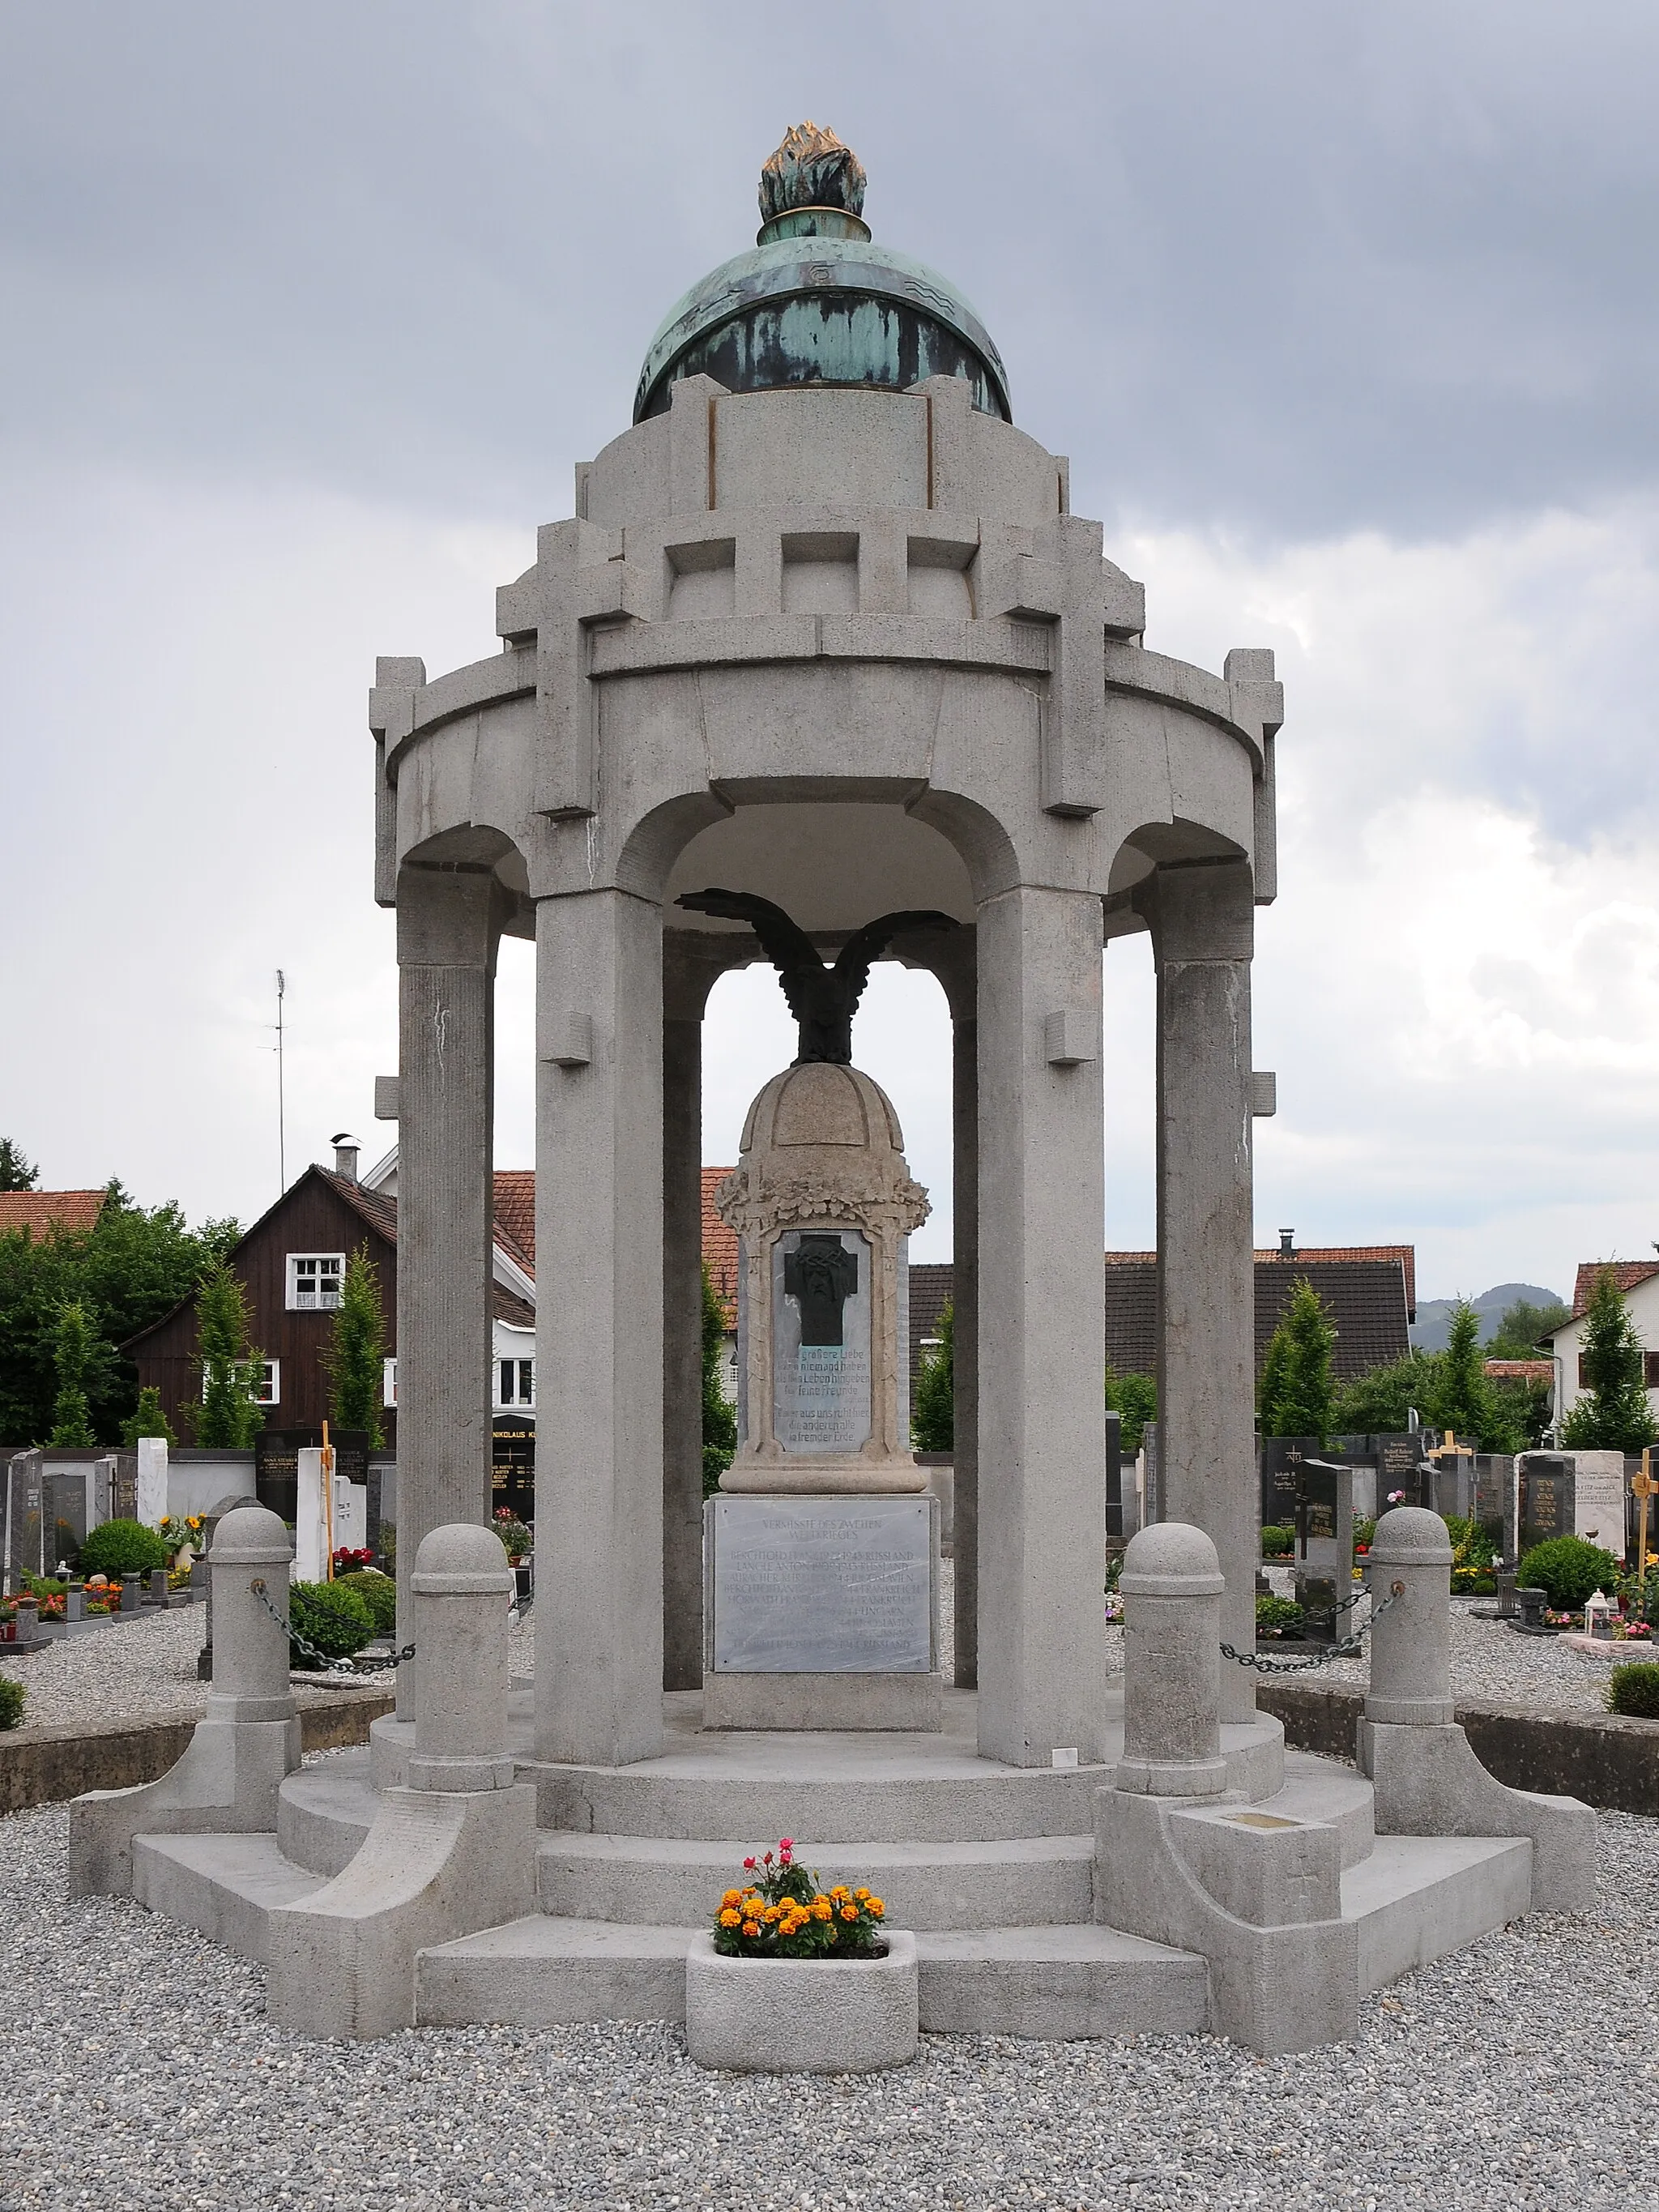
(825, 669)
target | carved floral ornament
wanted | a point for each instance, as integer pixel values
(752, 1201)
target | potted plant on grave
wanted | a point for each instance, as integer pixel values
(793, 1977)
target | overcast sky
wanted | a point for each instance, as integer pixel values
(1349, 320)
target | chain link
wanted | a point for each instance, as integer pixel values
(1350, 1646)
(378, 1664)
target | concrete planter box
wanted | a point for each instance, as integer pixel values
(802, 2016)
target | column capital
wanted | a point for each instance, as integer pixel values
(693, 961)
(1199, 910)
(451, 917)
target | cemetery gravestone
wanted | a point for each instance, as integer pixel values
(1545, 1505)
(123, 1487)
(24, 1517)
(1399, 1467)
(1598, 1498)
(1115, 1476)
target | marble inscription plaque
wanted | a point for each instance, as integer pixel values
(821, 1392)
(822, 1585)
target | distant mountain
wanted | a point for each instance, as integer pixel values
(1433, 1324)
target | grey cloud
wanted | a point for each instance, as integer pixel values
(1285, 268)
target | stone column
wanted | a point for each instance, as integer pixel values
(599, 1328)
(1202, 921)
(693, 961)
(1171, 1587)
(1041, 1327)
(952, 959)
(448, 928)
(1410, 1563)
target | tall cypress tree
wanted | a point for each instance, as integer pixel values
(73, 1357)
(355, 1356)
(1464, 1399)
(1615, 1416)
(230, 1417)
(1304, 1385)
(934, 1426)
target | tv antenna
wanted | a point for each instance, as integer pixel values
(282, 1117)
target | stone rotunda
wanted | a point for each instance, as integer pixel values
(823, 628)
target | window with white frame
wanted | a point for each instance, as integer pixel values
(515, 1382)
(389, 1382)
(268, 1382)
(314, 1280)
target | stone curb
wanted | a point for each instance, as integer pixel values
(46, 1766)
(1602, 1758)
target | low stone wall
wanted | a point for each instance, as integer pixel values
(1601, 1757)
(47, 1765)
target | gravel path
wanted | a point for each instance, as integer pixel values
(139, 2070)
(1490, 1660)
(143, 1669)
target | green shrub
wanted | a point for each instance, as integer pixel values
(122, 1547)
(1276, 1543)
(12, 1693)
(378, 1592)
(1569, 1568)
(330, 1616)
(1364, 1533)
(1633, 1690)
(1278, 1616)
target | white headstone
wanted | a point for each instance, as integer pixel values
(311, 1520)
(350, 1515)
(1598, 1509)
(152, 1486)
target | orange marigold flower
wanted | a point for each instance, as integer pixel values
(875, 1908)
(733, 1897)
(862, 1895)
(849, 1912)
(839, 1892)
(772, 1912)
(729, 1918)
(822, 1908)
(750, 1927)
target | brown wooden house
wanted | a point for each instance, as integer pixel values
(291, 1263)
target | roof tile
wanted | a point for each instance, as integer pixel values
(37, 1211)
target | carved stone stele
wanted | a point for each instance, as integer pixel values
(822, 1165)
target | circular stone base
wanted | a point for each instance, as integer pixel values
(802, 2016)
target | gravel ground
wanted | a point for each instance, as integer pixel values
(143, 1669)
(1490, 1660)
(139, 2070)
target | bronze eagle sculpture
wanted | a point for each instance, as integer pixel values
(822, 999)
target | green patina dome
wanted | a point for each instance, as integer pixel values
(816, 302)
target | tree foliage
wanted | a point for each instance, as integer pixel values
(1464, 1400)
(934, 1423)
(1615, 1415)
(354, 1356)
(1300, 1401)
(148, 1420)
(720, 1415)
(134, 1264)
(1134, 1399)
(15, 1172)
(74, 1353)
(229, 1417)
(1522, 1328)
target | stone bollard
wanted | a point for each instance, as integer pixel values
(1505, 1579)
(74, 1602)
(461, 1588)
(132, 1595)
(450, 1851)
(1425, 1776)
(227, 1780)
(1171, 1587)
(252, 1554)
(1411, 1641)
(159, 1592)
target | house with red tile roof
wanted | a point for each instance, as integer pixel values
(40, 1211)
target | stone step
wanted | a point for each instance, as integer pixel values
(1021, 1881)
(541, 1972)
(324, 1812)
(224, 1886)
(1046, 1983)
(1317, 1789)
(1416, 1898)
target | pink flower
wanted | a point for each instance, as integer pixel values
(749, 1866)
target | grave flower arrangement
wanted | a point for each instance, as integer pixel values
(513, 1533)
(352, 1559)
(182, 1532)
(782, 1913)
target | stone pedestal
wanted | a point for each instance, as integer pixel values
(822, 1560)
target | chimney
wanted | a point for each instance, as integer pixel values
(345, 1156)
(1287, 1242)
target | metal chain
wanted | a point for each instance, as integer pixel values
(376, 1665)
(1349, 1648)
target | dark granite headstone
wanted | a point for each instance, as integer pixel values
(1115, 1475)
(1546, 1502)
(24, 1497)
(64, 1496)
(382, 1507)
(123, 1487)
